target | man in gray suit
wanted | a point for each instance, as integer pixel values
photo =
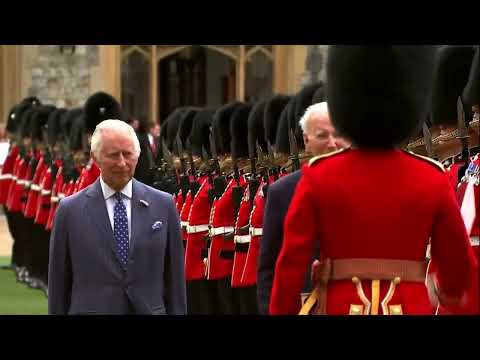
(116, 246)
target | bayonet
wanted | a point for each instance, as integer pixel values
(167, 155)
(271, 154)
(462, 129)
(213, 150)
(261, 157)
(253, 160)
(206, 160)
(428, 140)
(179, 146)
(271, 159)
(237, 189)
(184, 181)
(194, 185)
(293, 150)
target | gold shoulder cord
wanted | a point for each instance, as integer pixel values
(324, 156)
(427, 159)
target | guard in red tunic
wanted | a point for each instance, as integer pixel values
(227, 125)
(468, 190)
(37, 239)
(14, 124)
(56, 141)
(7, 174)
(374, 207)
(246, 121)
(201, 293)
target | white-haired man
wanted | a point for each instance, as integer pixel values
(320, 137)
(116, 246)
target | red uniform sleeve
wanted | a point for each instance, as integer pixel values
(296, 253)
(451, 252)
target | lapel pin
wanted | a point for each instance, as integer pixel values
(157, 225)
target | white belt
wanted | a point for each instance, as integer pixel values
(60, 196)
(241, 239)
(427, 253)
(46, 192)
(35, 187)
(6, 176)
(184, 223)
(14, 177)
(192, 229)
(21, 182)
(27, 183)
(255, 231)
(475, 240)
(220, 230)
(54, 199)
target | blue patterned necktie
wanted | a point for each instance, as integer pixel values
(120, 228)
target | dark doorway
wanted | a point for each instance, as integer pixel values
(195, 76)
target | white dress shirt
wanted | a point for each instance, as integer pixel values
(110, 201)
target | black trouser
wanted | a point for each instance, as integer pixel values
(29, 238)
(202, 297)
(246, 298)
(11, 229)
(44, 255)
(40, 252)
(227, 298)
(18, 250)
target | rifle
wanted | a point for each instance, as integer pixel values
(293, 150)
(274, 170)
(237, 189)
(462, 130)
(220, 181)
(184, 180)
(194, 185)
(264, 172)
(428, 141)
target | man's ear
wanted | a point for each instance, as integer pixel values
(92, 155)
(305, 138)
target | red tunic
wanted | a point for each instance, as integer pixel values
(184, 213)
(249, 275)
(90, 175)
(197, 229)
(31, 206)
(43, 203)
(222, 222)
(241, 240)
(54, 200)
(27, 182)
(14, 203)
(452, 172)
(178, 201)
(469, 200)
(7, 174)
(377, 204)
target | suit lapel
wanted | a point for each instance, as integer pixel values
(98, 214)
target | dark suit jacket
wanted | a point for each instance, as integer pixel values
(85, 274)
(279, 196)
(145, 160)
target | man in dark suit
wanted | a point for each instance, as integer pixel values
(116, 245)
(319, 138)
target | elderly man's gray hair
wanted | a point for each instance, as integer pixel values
(321, 108)
(117, 125)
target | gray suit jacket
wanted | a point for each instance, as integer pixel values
(85, 274)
